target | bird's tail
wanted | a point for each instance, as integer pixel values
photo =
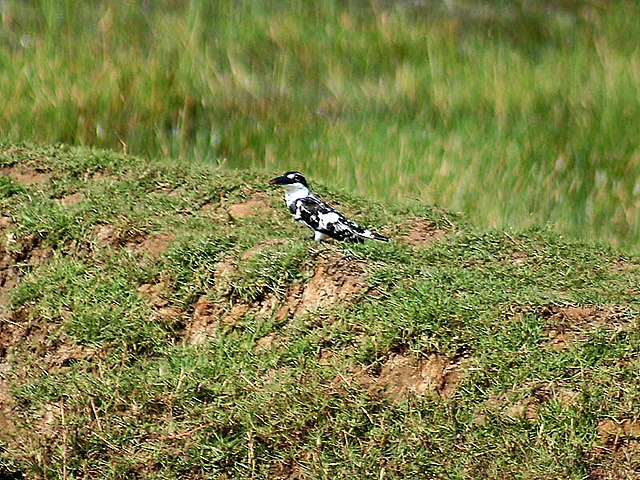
(373, 236)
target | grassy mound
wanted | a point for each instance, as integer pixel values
(170, 321)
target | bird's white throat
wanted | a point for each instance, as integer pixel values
(294, 191)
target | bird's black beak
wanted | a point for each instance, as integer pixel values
(278, 181)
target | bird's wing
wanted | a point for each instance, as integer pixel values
(319, 216)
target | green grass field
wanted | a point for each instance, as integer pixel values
(164, 320)
(514, 112)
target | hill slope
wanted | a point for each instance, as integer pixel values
(170, 321)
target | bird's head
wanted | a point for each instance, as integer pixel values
(295, 179)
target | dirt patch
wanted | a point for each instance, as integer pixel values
(403, 375)
(108, 235)
(287, 471)
(7, 414)
(203, 323)
(421, 231)
(224, 273)
(208, 318)
(22, 335)
(153, 244)
(15, 254)
(32, 344)
(64, 355)
(617, 455)
(162, 308)
(335, 279)
(266, 342)
(257, 204)
(157, 243)
(528, 407)
(9, 272)
(71, 199)
(519, 258)
(5, 222)
(612, 429)
(25, 174)
(566, 325)
(7, 405)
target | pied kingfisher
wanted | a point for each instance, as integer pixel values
(313, 213)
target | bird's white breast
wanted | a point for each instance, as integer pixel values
(294, 192)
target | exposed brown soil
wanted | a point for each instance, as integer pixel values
(71, 199)
(153, 244)
(32, 342)
(403, 375)
(566, 325)
(421, 231)
(287, 471)
(5, 222)
(7, 414)
(257, 204)
(163, 310)
(15, 253)
(108, 235)
(24, 336)
(64, 355)
(335, 280)
(610, 429)
(519, 258)
(617, 455)
(24, 174)
(208, 318)
(529, 406)
(157, 243)
(204, 321)
(266, 342)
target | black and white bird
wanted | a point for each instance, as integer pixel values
(313, 213)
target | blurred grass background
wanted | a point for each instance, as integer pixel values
(513, 111)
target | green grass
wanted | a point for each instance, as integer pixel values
(515, 112)
(102, 379)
